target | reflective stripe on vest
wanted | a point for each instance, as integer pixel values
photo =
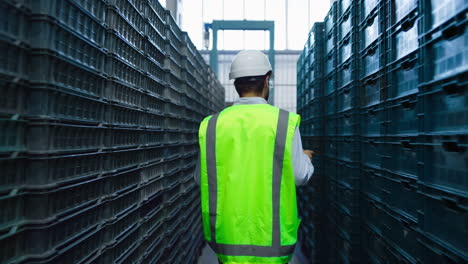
(275, 250)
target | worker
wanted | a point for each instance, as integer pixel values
(251, 158)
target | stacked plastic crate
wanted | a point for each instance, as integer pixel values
(311, 107)
(443, 103)
(99, 133)
(401, 163)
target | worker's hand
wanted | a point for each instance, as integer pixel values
(309, 153)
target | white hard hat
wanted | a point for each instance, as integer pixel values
(249, 63)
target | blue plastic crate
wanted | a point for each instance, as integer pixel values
(445, 53)
(343, 6)
(445, 108)
(75, 17)
(372, 182)
(371, 30)
(445, 164)
(118, 24)
(331, 42)
(50, 103)
(13, 100)
(123, 71)
(403, 116)
(49, 69)
(400, 194)
(347, 73)
(404, 40)
(14, 23)
(15, 60)
(53, 237)
(13, 138)
(330, 102)
(401, 9)
(330, 18)
(330, 62)
(125, 51)
(47, 34)
(368, 7)
(372, 120)
(347, 198)
(330, 83)
(347, 123)
(348, 150)
(374, 89)
(347, 98)
(313, 127)
(441, 11)
(372, 60)
(434, 251)
(403, 77)
(372, 152)
(402, 156)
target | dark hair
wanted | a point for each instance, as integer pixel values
(253, 84)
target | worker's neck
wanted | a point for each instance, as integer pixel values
(251, 95)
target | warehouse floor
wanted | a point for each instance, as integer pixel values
(209, 257)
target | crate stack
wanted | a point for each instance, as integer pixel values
(311, 106)
(395, 133)
(99, 119)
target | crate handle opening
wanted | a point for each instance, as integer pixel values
(407, 25)
(406, 144)
(452, 32)
(452, 87)
(408, 64)
(452, 146)
(452, 205)
(407, 104)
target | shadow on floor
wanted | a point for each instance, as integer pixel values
(209, 257)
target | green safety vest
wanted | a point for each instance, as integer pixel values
(248, 191)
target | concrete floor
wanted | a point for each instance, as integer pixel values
(209, 257)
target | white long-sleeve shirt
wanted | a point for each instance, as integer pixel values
(303, 168)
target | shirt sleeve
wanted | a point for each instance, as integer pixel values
(303, 168)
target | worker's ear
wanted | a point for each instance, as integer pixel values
(266, 88)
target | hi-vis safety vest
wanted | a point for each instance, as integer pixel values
(248, 192)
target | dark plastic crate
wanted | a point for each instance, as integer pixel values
(124, 94)
(13, 136)
(372, 152)
(330, 18)
(47, 34)
(401, 10)
(330, 44)
(347, 123)
(126, 52)
(403, 77)
(403, 41)
(372, 120)
(176, 31)
(371, 30)
(122, 160)
(52, 237)
(400, 194)
(347, 98)
(401, 235)
(372, 60)
(15, 60)
(121, 26)
(343, 6)
(47, 137)
(368, 7)
(444, 53)
(13, 100)
(347, 49)
(435, 252)
(347, 197)
(374, 89)
(14, 23)
(372, 182)
(123, 247)
(348, 150)
(445, 164)
(313, 127)
(75, 17)
(347, 73)
(403, 116)
(402, 156)
(122, 71)
(50, 103)
(330, 83)
(445, 108)
(50, 69)
(438, 12)
(330, 102)
(130, 12)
